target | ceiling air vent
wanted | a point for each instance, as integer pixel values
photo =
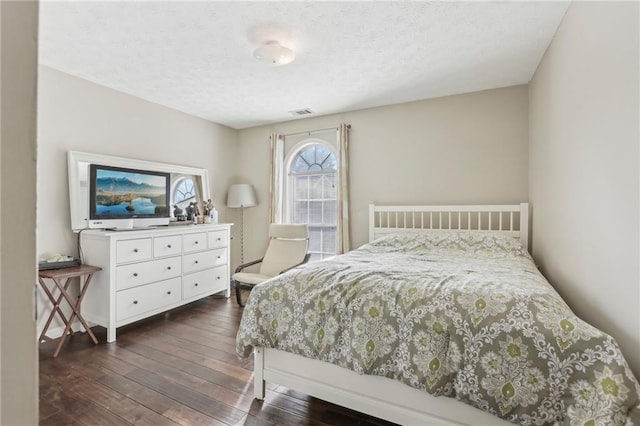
(299, 112)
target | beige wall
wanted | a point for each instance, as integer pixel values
(75, 114)
(469, 148)
(584, 179)
(18, 355)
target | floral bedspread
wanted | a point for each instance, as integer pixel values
(466, 315)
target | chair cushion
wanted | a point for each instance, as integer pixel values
(281, 255)
(249, 277)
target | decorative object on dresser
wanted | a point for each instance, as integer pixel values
(241, 195)
(146, 272)
(210, 212)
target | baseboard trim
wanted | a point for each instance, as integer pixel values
(56, 332)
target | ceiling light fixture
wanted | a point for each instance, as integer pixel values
(273, 53)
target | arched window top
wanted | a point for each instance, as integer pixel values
(313, 158)
(184, 191)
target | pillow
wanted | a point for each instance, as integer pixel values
(476, 243)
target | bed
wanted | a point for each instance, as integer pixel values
(442, 318)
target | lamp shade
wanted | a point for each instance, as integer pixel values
(241, 195)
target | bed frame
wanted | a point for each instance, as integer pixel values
(379, 396)
(512, 220)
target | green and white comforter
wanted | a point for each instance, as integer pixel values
(466, 315)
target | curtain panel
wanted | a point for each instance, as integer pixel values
(344, 240)
(276, 182)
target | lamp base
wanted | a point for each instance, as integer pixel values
(241, 235)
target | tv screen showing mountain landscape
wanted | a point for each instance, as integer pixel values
(121, 193)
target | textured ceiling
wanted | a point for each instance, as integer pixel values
(196, 57)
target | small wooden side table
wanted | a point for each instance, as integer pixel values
(57, 276)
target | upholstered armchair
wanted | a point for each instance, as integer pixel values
(287, 249)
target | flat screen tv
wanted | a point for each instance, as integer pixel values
(122, 198)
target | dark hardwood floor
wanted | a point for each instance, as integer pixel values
(175, 368)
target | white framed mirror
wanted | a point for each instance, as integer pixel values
(78, 169)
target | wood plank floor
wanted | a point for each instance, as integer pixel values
(175, 368)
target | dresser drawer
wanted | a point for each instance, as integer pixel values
(217, 239)
(208, 281)
(136, 301)
(219, 256)
(147, 272)
(195, 242)
(132, 250)
(167, 246)
(204, 260)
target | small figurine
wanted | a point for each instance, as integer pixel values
(192, 211)
(177, 211)
(208, 207)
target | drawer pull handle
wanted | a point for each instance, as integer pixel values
(218, 257)
(135, 274)
(196, 262)
(135, 302)
(168, 292)
(218, 278)
(169, 267)
(135, 250)
(168, 245)
(219, 239)
(196, 284)
(196, 243)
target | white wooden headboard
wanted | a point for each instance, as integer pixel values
(509, 219)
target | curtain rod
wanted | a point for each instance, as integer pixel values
(314, 131)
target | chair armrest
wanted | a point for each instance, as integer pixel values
(246, 265)
(305, 260)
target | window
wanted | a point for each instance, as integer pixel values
(313, 197)
(184, 192)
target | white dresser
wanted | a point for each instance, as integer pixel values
(145, 272)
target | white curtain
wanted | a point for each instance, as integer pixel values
(344, 241)
(276, 182)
